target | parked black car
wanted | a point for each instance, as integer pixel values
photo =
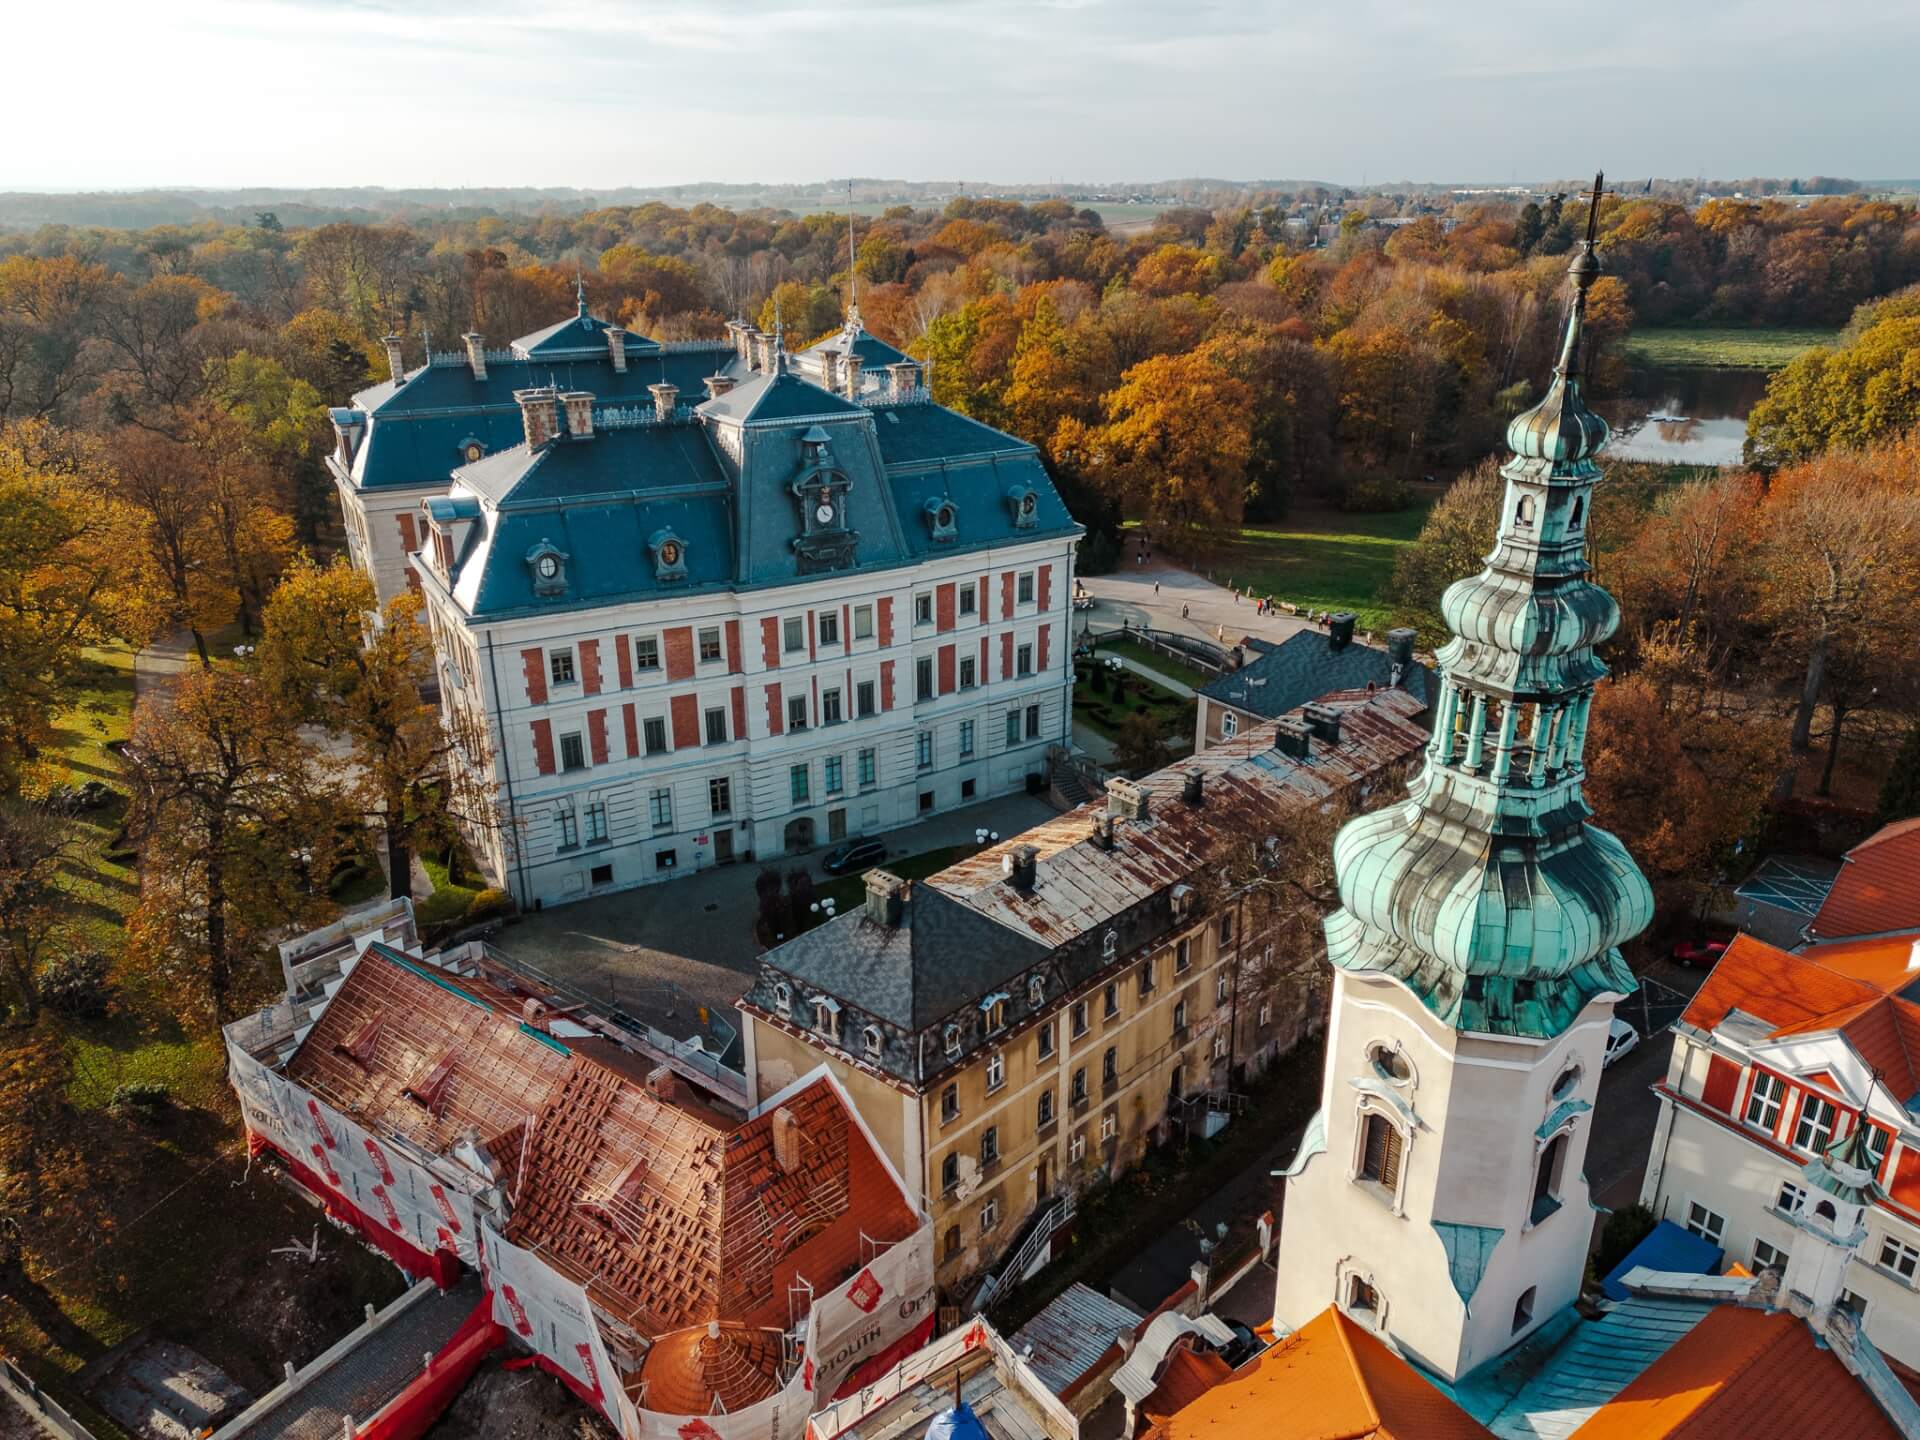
(851, 856)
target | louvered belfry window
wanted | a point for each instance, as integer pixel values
(1380, 1161)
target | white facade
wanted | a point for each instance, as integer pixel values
(1734, 1174)
(383, 526)
(1477, 1116)
(697, 761)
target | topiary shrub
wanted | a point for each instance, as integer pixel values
(489, 903)
(77, 985)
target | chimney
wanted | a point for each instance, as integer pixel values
(396, 363)
(1323, 721)
(579, 405)
(534, 1012)
(664, 396)
(1126, 799)
(886, 894)
(1021, 866)
(1103, 832)
(1400, 654)
(1193, 790)
(902, 376)
(617, 348)
(718, 385)
(1340, 630)
(539, 414)
(850, 371)
(762, 344)
(786, 1140)
(661, 1083)
(476, 353)
(828, 369)
(1292, 737)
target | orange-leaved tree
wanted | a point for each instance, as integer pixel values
(340, 660)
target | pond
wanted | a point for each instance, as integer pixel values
(1676, 416)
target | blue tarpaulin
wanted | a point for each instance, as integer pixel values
(1669, 1248)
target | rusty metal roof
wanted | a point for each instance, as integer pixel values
(1066, 1341)
(1248, 786)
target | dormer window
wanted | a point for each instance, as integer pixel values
(826, 1016)
(471, 449)
(994, 1008)
(951, 1038)
(783, 997)
(941, 518)
(870, 1040)
(669, 553)
(548, 564)
(1024, 506)
(1036, 989)
(1110, 944)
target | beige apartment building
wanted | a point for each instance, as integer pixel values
(1046, 1010)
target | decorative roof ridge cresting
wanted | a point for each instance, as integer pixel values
(1487, 892)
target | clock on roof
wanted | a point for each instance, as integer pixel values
(548, 566)
(821, 488)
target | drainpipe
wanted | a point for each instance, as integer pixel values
(506, 761)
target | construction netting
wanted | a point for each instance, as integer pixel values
(385, 1182)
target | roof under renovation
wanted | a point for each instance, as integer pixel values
(682, 1219)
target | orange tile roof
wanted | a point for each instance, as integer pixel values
(686, 1372)
(1884, 1032)
(1188, 1375)
(1882, 963)
(1329, 1380)
(1878, 888)
(1742, 1374)
(1779, 988)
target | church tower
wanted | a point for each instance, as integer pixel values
(1440, 1196)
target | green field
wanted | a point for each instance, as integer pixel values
(1727, 348)
(1320, 560)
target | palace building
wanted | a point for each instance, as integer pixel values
(731, 605)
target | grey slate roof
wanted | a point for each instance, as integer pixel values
(418, 430)
(777, 395)
(1305, 666)
(873, 351)
(969, 934)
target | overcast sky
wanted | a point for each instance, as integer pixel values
(597, 93)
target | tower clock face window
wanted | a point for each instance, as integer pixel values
(549, 567)
(1026, 504)
(824, 514)
(474, 451)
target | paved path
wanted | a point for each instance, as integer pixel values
(158, 667)
(657, 950)
(1210, 611)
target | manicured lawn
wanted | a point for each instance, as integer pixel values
(1180, 670)
(1321, 560)
(1103, 714)
(851, 890)
(103, 890)
(449, 901)
(1723, 348)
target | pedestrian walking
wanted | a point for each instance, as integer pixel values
(1156, 587)
(1183, 612)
